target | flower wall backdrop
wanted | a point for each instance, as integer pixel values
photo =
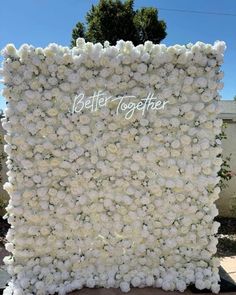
(116, 195)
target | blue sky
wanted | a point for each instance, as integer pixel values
(51, 21)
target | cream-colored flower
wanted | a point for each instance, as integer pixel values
(112, 148)
(52, 112)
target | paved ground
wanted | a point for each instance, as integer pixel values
(228, 264)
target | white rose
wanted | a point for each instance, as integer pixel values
(189, 116)
(206, 96)
(185, 140)
(175, 144)
(174, 122)
(136, 281)
(21, 106)
(125, 287)
(144, 142)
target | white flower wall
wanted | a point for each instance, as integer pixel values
(97, 199)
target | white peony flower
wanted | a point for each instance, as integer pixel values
(125, 287)
(144, 142)
(175, 144)
(21, 106)
(142, 68)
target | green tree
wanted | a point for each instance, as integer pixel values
(77, 31)
(148, 26)
(113, 20)
(225, 171)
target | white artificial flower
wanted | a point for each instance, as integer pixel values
(142, 68)
(175, 144)
(144, 142)
(21, 106)
(189, 116)
(185, 140)
(174, 122)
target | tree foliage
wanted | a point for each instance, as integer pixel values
(225, 171)
(113, 20)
